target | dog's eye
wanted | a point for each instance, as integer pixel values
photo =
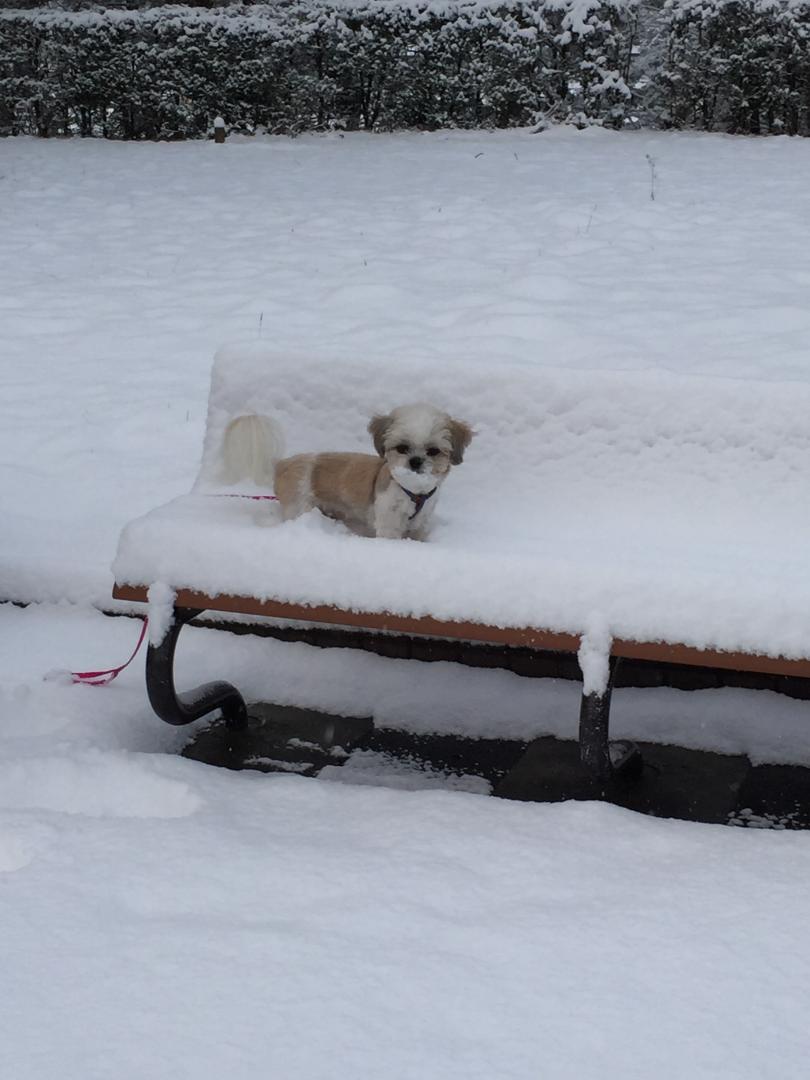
(403, 448)
(433, 451)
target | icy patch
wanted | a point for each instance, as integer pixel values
(278, 764)
(305, 744)
(370, 767)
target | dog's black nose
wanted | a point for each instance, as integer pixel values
(415, 463)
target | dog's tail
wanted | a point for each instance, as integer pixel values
(251, 447)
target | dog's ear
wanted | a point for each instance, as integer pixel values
(378, 427)
(460, 438)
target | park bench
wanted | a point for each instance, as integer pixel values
(635, 516)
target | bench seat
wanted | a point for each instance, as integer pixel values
(536, 574)
(527, 637)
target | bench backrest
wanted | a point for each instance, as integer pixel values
(548, 434)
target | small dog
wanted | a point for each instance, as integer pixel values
(391, 495)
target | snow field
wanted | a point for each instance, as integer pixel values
(125, 266)
(164, 919)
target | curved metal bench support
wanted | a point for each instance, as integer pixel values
(183, 708)
(601, 759)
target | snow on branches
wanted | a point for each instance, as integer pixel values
(314, 65)
(383, 65)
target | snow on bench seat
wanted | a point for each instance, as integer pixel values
(666, 509)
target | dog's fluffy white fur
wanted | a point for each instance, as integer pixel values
(392, 494)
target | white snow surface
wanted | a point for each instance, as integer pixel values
(416, 483)
(164, 919)
(124, 267)
(160, 611)
(176, 921)
(594, 656)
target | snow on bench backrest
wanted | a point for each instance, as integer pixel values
(555, 435)
(325, 404)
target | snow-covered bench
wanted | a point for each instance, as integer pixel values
(643, 515)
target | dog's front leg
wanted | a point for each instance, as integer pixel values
(389, 527)
(390, 518)
(420, 532)
(420, 528)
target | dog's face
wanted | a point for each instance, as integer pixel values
(419, 443)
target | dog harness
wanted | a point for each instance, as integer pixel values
(417, 500)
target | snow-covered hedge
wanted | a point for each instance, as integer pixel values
(298, 65)
(738, 66)
(310, 64)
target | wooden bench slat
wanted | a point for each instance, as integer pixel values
(528, 637)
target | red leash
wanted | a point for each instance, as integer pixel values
(228, 495)
(101, 678)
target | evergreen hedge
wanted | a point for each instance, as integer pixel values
(741, 66)
(297, 66)
(381, 65)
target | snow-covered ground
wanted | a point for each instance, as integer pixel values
(163, 919)
(123, 267)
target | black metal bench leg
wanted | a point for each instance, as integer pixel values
(601, 759)
(183, 708)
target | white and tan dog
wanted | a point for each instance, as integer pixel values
(391, 495)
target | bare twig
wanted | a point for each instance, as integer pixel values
(653, 176)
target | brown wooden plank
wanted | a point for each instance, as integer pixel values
(662, 652)
(528, 637)
(367, 620)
